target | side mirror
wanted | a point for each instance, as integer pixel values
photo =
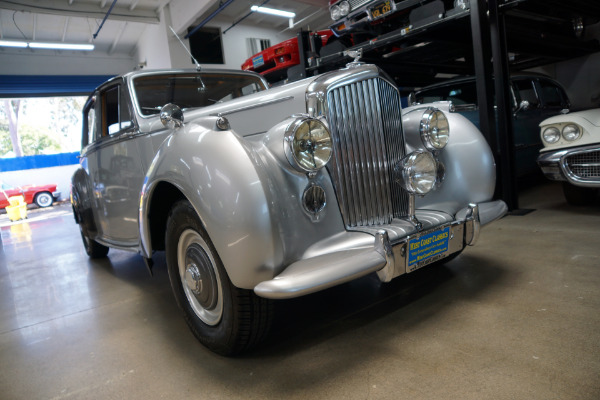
(412, 99)
(171, 116)
(523, 106)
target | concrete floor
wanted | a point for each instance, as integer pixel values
(515, 317)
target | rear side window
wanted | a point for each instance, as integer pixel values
(115, 111)
(551, 94)
(524, 90)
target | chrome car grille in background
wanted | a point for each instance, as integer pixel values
(354, 4)
(366, 125)
(585, 165)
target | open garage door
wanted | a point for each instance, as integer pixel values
(12, 86)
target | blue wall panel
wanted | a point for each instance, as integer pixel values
(39, 161)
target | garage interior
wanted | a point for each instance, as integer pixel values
(513, 317)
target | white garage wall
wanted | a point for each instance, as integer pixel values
(159, 48)
(25, 62)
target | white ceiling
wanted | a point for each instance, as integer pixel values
(77, 21)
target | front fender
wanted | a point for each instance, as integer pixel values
(215, 173)
(470, 170)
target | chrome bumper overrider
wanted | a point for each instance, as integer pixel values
(389, 258)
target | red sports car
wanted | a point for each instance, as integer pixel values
(274, 61)
(42, 195)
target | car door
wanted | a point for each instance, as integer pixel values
(526, 125)
(115, 169)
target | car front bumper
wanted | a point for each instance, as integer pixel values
(579, 166)
(388, 252)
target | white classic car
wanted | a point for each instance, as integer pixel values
(571, 154)
(260, 194)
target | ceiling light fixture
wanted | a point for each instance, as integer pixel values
(9, 43)
(61, 46)
(273, 11)
(46, 45)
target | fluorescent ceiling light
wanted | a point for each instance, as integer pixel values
(9, 43)
(46, 45)
(273, 11)
(61, 46)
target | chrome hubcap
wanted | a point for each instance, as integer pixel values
(200, 277)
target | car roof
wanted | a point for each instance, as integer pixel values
(466, 79)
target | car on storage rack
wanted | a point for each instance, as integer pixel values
(42, 195)
(534, 97)
(273, 62)
(571, 154)
(367, 19)
(260, 194)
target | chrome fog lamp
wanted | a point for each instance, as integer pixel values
(335, 12)
(435, 129)
(307, 144)
(417, 172)
(551, 135)
(314, 201)
(571, 132)
(344, 8)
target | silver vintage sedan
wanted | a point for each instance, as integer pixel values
(258, 194)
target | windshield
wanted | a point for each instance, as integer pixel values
(462, 93)
(191, 90)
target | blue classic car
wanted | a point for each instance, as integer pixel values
(534, 98)
(261, 194)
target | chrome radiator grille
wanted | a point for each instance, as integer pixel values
(366, 125)
(585, 165)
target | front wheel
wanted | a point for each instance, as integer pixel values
(43, 199)
(224, 318)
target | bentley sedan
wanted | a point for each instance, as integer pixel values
(258, 194)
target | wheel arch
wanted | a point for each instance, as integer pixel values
(214, 171)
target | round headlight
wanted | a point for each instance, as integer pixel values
(336, 13)
(308, 144)
(344, 8)
(551, 135)
(417, 172)
(571, 132)
(435, 129)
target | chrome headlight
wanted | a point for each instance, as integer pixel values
(551, 135)
(571, 132)
(307, 144)
(435, 129)
(417, 172)
(335, 12)
(344, 8)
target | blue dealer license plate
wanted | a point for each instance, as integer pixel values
(258, 61)
(428, 248)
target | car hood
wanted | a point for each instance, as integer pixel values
(590, 116)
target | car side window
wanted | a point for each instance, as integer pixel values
(115, 112)
(526, 91)
(89, 123)
(551, 94)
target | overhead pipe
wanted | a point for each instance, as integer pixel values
(244, 17)
(207, 19)
(105, 18)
